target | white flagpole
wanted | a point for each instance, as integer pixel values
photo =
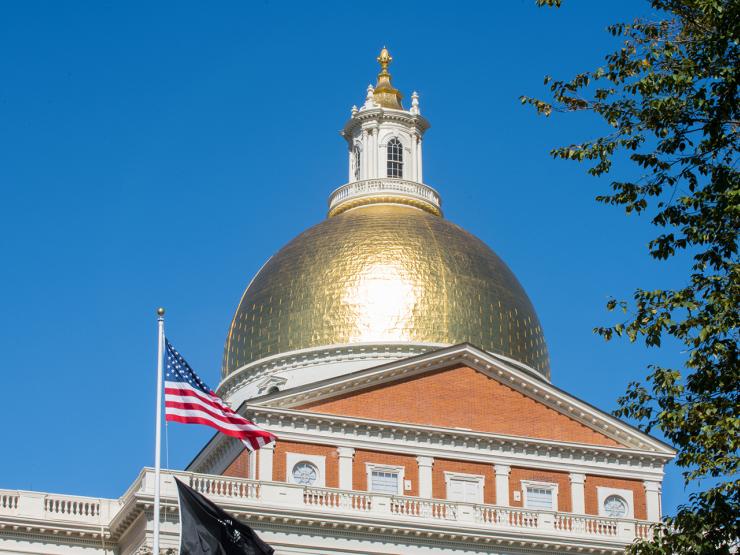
(158, 433)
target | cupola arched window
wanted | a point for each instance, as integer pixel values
(356, 162)
(395, 158)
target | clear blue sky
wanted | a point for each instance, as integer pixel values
(157, 153)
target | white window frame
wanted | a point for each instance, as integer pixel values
(369, 467)
(627, 494)
(550, 485)
(480, 480)
(319, 461)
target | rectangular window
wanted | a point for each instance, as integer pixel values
(384, 481)
(395, 169)
(540, 497)
(466, 491)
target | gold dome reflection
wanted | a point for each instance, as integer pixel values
(381, 299)
(384, 272)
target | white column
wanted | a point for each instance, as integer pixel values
(502, 484)
(419, 174)
(252, 465)
(374, 153)
(346, 457)
(577, 493)
(265, 455)
(365, 155)
(414, 157)
(425, 476)
(652, 499)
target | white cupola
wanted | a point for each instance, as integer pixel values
(384, 143)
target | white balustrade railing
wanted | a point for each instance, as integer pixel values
(352, 501)
(368, 187)
(506, 517)
(235, 492)
(72, 508)
(424, 508)
(644, 530)
(586, 525)
(9, 502)
(224, 487)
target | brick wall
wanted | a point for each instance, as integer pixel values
(239, 468)
(638, 492)
(560, 478)
(464, 398)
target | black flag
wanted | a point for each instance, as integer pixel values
(205, 528)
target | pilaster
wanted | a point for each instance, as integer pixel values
(425, 476)
(346, 460)
(265, 465)
(577, 493)
(652, 500)
(502, 484)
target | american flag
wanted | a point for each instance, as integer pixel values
(189, 400)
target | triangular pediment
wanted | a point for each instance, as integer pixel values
(462, 387)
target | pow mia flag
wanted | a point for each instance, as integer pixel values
(206, 529)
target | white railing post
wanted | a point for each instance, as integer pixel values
(465, 512)
(380, 504)
(545, 521)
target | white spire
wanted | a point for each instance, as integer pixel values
(415, 103)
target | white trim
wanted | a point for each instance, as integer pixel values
(477, 478)
(628, 495)
(318, 461)
(400, 470)
(549, 485)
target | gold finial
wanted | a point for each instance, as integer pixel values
(384, 59)
(385, 94)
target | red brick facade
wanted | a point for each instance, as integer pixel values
(461, 397)
(458, 397)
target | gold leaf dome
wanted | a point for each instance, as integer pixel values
(385, 273)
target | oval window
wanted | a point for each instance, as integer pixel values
(305, 474)
(615, 506)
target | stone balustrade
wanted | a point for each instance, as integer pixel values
(240, 494)
(384, 187)
(57, 508)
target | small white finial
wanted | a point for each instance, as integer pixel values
(354, 109)
(415, 103)
(369, 99)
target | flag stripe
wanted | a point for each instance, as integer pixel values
(197, 407)
(190, 401)
(172, 392)
(203, 418)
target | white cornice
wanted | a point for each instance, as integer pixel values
(315, 356)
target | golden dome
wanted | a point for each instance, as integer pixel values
(385, 273)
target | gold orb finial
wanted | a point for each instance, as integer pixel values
(385, 94)
(384, 59)
(160, 311)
